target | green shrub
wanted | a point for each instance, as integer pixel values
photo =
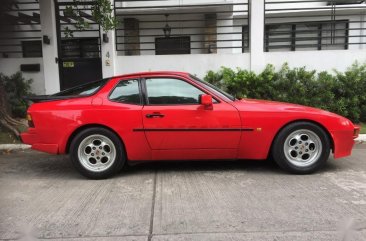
(340, 92)
(16, 87)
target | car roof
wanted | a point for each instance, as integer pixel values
(153, 73)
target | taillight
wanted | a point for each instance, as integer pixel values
(356, 131)
(30, 121)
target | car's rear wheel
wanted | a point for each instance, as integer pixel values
(97, 153)
(301, 147)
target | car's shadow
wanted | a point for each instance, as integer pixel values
(49, 166)
(252, 166)
(206, 165)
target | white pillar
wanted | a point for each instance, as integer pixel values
(109, 54)
(257, 60)
(50, 67)
(228, 29)
(362, 32)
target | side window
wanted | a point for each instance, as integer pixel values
(126, 91)
(167, 91)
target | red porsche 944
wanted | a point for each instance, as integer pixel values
(176, 116)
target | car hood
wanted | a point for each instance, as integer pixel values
(274, 106)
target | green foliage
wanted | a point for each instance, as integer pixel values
(340, 92)
(74, 12)
(101, 11)
(16, 87)
(363, 128)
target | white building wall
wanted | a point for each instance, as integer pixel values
(170, 3)
(257, 59)
(10, 66)
(257, 35)
(194, 29)
(328, 60)
(108, 54)
(197, 64)
(225, 42)
(325, 60)
(51, 72)
(295, 4)
(356, 30)
(363, 30)
(20, 33)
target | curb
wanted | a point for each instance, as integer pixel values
(14, 147)
(361, 139)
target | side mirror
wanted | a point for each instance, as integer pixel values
(206, 101)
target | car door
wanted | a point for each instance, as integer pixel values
(122, 113)
(174, 121)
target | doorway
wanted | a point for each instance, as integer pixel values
(79, 53)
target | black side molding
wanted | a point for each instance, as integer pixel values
(194, 129)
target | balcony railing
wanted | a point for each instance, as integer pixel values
(181, 27)
(314, 25)
(20, 29)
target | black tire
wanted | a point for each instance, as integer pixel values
(293, 134)
(84, 163)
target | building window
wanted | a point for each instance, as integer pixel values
(32, 49)
(173, 45)
(336, 39)
(245, 39)
(306, 36)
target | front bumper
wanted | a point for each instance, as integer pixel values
(31, 138)
(343, 142)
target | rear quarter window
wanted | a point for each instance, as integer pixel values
(126, 91)
(84, 90)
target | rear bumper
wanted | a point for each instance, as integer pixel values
(32, 139)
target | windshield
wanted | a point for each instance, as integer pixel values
(213, 88)
(83, 90)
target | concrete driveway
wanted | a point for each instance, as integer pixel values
(42, 195)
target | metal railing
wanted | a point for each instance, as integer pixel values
(314, 25)
(162, 27)
(180, 26)
(74, 42)
(20, 24)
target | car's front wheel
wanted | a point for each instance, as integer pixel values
(301, 147)
(97, 153)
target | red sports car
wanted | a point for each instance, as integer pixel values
(176, 116)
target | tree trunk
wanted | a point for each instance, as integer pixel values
(6, 121)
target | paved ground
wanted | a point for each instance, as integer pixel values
(43, 195)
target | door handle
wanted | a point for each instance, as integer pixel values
(154, 115)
